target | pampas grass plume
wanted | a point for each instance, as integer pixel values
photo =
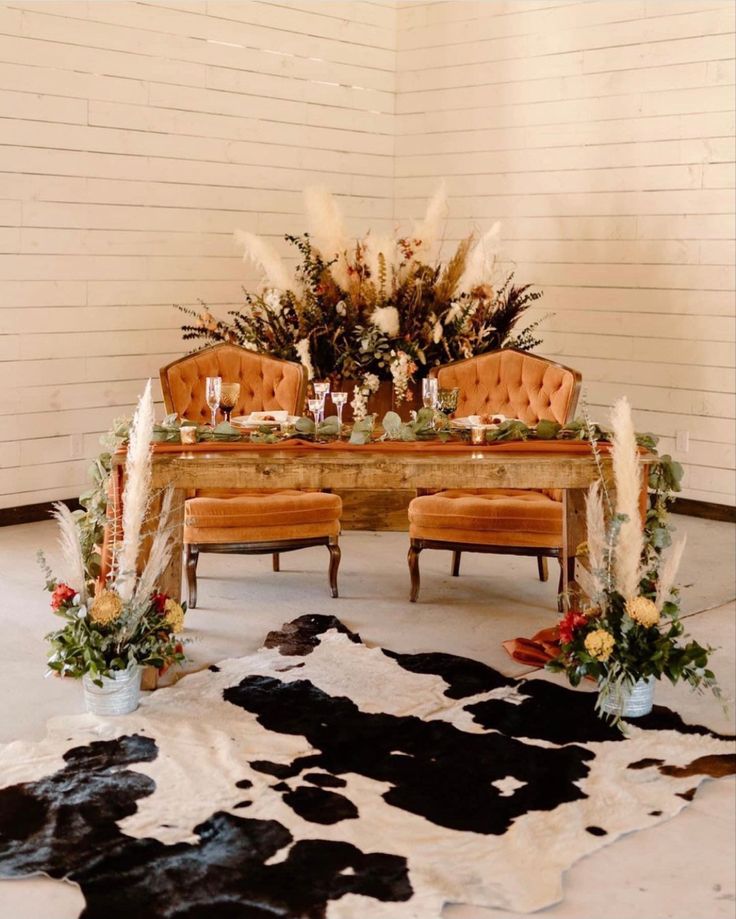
(71, 549)
(265, 256)
(327, 231)
(429, 230)
(596, 527)
(482, 260)
(627, 475)
(136, 493)
(160, 554)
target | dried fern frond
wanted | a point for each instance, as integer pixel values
(453, 271)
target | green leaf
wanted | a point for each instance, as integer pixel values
(547, 430)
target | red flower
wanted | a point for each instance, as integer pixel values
(570, 622)
(158, 602)
(62, 594)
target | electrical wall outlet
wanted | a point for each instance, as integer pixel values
(682, 441)
(77, 446)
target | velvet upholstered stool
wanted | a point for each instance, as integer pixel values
(241, 521)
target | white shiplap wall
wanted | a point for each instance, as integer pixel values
(134, 138)
(601, 134)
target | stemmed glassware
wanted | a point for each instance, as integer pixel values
(213, 391)
(447, 400)
(229, 393)
(429, 395)
(315, 407)
(338, 400)
(320, 391)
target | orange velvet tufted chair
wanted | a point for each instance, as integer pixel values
(248, 521)
(514, 522)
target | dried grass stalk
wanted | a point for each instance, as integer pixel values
(71, 549)
(668, 572)
(265, 256)
(136, 493)
(596, 540)
(627, 475)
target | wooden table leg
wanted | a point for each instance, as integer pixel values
(171, 578)
(573, 534)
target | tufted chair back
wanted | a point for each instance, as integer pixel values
(513, 383)
(265, 382)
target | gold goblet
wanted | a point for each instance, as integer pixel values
(229, 394)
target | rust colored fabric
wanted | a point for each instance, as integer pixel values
(265, 382)
(253, 516)
(541, 447)
(517, 385)
(285, 507)
(224, 535)
(488, 517)
(536, 651)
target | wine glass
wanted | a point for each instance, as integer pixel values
(447, 400)
(229, 394)
(338, 400)
(213, 388)
(315, 407)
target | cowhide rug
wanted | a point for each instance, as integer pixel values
(324, 778)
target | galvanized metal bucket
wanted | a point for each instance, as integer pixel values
(118, 695)
(630, 701)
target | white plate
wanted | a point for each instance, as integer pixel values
(473, 421)
(263, 419)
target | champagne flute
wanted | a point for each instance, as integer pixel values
(338, 400)
(229, 393)
(429, 392)
(429, 396)
(213, 389)
(320, 392)
(315, 407)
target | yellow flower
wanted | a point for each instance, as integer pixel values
(599, 644)
(643, 611)
(106, 608)
(174, 616)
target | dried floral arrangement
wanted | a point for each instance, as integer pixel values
(629, 630)
(123, 621)
(373, 309)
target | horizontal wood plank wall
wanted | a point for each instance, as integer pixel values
(134, 138)
(601, 134)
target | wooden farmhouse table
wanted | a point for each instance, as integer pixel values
(565, 465)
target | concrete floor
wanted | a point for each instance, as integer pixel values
(683, 869)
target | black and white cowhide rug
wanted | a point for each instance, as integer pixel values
(324, 778)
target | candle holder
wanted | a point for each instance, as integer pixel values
(188, 434)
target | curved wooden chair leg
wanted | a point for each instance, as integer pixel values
(191, 557)
(456, 563)
(413, 558)
(335, 555)
(542, 567)
(276, 562)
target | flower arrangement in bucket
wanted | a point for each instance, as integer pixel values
(629, 634)
(376, 309)
(114, 627)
